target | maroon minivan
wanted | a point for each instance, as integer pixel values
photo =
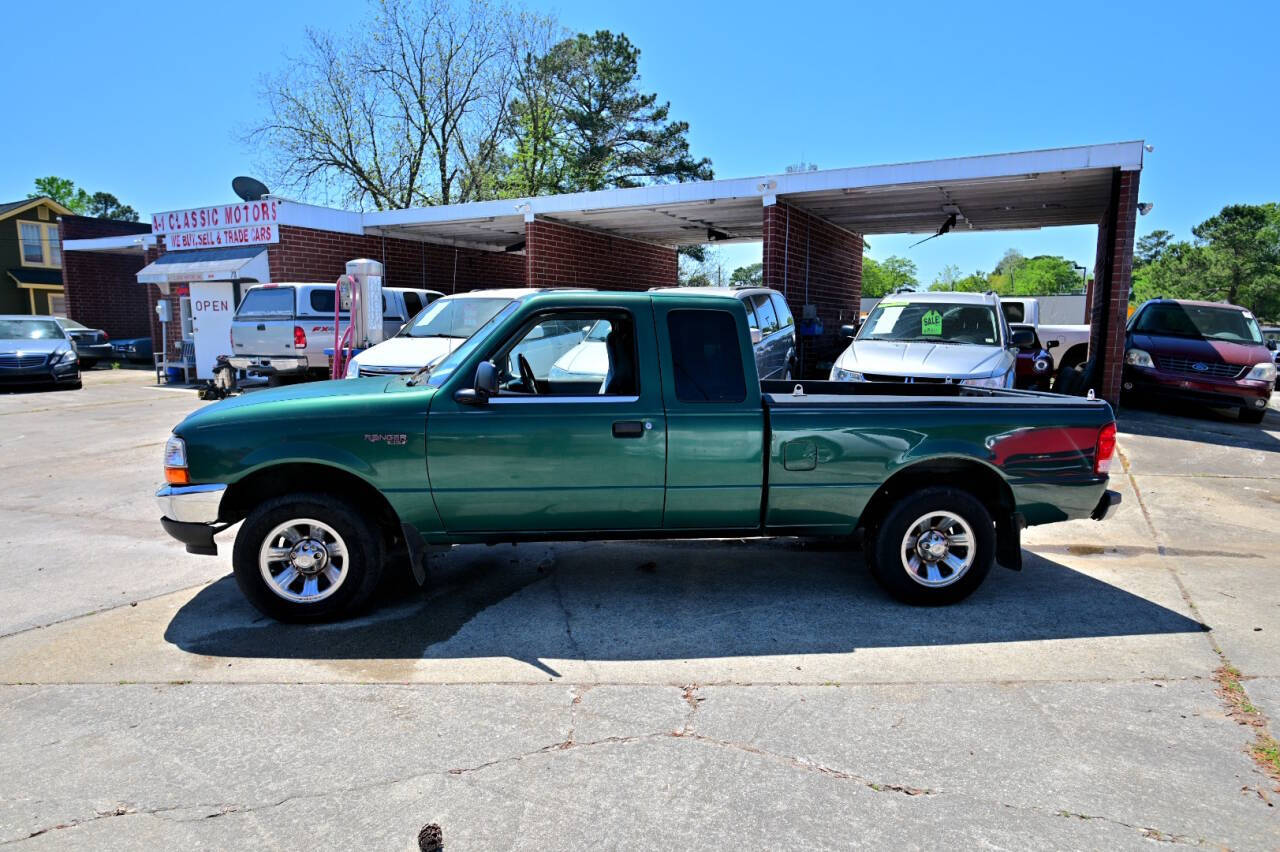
(1207, 352)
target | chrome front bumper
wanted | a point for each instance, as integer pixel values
(191, 504)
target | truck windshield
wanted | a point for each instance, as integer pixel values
(1199, 321)
(935, 322)
(450, 317)
(267, 302)
(445, 368)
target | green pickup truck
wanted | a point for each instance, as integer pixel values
(584, 415)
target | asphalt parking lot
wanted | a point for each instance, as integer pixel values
(676, 695)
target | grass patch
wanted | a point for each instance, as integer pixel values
(1264, 749)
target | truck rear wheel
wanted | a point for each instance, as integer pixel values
(307, 557)
(934, 547)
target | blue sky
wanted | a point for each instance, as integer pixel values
(146, 105)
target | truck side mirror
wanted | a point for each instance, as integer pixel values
(486, 385)
(1271, 344)
(848, 330)
(756, 336)
(1023, 338)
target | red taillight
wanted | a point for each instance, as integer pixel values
(299, 338)
(106, 338)
(1104, 449)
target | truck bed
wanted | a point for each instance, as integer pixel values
(821, 393)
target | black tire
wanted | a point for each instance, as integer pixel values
(889, 565)
(1252, 415)
(88, 363)
(362, 565)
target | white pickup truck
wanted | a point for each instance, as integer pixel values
(283, 329)
(1069, 344)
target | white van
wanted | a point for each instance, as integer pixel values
(283, 329)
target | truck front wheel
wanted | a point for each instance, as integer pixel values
(934, 547)
(307, 557)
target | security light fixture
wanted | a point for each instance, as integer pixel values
(1144, 207)
(713, 234)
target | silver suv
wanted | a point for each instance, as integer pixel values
(283, 329)
(773, 329)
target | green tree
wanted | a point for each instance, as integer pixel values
(1235, 258)
(880, 278)
(1044, 275)
(977, 282)
(1151, 247)
(104, 205)
(610, 133)
(751, 275)
(947, 278)
(1011, 259)
(62, 190)
(1244, 243)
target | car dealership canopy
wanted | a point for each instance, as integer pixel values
(1031, 189)
(811, 225)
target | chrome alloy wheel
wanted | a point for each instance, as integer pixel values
(938, 549)
(303, 560)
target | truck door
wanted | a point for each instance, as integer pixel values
(715, 420)
(574, 440)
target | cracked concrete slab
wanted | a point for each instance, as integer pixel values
(269, 778)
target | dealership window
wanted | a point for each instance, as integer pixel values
(184, 312)
(39, 241)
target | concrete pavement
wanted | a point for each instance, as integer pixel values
(757, 694)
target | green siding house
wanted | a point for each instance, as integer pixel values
(31, 257)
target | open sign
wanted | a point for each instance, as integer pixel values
(202, 305)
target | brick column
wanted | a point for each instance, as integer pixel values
(811, 261)
(1113, 269)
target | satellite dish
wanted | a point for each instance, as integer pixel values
(249, 189)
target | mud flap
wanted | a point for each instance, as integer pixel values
(1009, 540)
(417, 553)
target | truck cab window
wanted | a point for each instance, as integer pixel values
(1014, 311)
(581, 353)
(412, 303)
(706, 356)
(268, 302)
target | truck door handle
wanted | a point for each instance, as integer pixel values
(628, 429)
(262, 327)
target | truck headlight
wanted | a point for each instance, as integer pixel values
(1041, 365)
(175, 461)
(1139, 358)
(1264, 372)
(839, 375)
(997, 381)
(353, 369)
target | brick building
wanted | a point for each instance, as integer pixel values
(811, 226)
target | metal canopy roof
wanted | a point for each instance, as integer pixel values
(1027, 190)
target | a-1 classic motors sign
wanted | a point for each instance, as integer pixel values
(242, 224)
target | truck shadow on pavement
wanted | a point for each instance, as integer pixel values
(625, 601)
